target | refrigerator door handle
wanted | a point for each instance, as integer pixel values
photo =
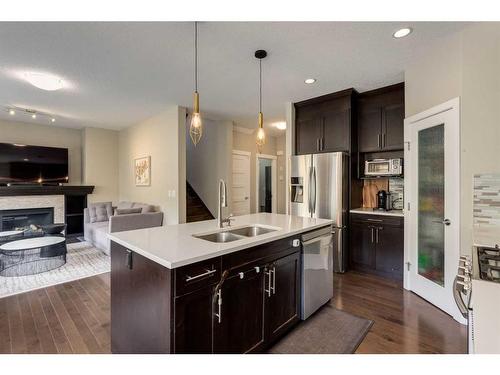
(313, 191)
(309, 209)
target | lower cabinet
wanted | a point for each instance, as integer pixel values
(237, 303)
(377, 245)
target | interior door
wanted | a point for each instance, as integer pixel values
(433, 224)
(241, 183)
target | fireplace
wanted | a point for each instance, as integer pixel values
(23, 218)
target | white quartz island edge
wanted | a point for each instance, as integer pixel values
(174, 246)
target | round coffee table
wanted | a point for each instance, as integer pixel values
(32, 255)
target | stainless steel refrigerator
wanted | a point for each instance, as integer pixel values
(319, 188)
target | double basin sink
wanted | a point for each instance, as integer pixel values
(230, 235)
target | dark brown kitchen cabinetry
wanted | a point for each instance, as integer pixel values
(381, 119)
(283, 298)
(324, 124)
(377, 244)
(238, 303)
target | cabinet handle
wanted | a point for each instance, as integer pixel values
(372, 233)
(376, 235)
(130, 262)
(384, 143)
(379, 228)
(219, 306)
(318, 147)
(269, 281)
(374, 220)
(191, 278)
(322, 144)
(274, 280)
(378, 140)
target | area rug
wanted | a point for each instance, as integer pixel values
(82, 260)
(328, 331)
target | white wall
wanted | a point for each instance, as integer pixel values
(163, 138)
(209, 161)
(50, 136)
(100, 163)
(466, 64)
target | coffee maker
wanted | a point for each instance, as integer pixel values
(384, 201)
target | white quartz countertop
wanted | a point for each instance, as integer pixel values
(371, 211)
(174, 246)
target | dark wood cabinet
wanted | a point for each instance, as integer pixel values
(336, 129)
(324, 124)
(381, 119)
(282, 295)
(240, 326)
(158, 310)
(362, 251)
(308, 135)
(377, 245)
(193, 322)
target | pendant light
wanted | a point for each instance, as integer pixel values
(261, 134)
(196, 127)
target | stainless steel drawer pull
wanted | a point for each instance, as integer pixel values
(208, 272)
(374, 220)
(274, 280)
(219, 306)
(269, 281)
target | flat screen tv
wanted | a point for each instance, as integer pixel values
(24, 164)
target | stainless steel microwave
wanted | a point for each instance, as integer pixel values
(384, 167)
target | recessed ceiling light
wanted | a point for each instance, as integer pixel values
(12, 112)
(19, 145)
(53, 120)
(310, 80)
(26, 159)
(280, 125)
(402, 32)
(44, 81)
(33, 115)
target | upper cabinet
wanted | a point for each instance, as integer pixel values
(324, 124)
(380, 119)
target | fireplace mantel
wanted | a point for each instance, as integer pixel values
(17, 190)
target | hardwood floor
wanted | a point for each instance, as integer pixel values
(68, 318)
(75, 318)
(404, 322)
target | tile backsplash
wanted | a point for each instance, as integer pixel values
(486, 206)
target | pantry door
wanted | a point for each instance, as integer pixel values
(432, 191)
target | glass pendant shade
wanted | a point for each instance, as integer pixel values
(196, 127)
(261, 134)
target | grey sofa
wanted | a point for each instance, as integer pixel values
(101, 219)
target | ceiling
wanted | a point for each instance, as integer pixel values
(122, 73)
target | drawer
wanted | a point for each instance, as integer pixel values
(197, 275)
(377, 219)
(258, 254)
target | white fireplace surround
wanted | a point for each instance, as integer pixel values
(20, 202)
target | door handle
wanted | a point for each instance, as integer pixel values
(444, 221)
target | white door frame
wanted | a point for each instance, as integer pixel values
(273, 181)
(249, 154)
(451, 112)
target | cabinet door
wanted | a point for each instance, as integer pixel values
(393, 127)
(283, 296)
(193, 322)
(308, 134)
(241, 326)
(363, 245)
(369, 130)
(389, 251)
(336, 131)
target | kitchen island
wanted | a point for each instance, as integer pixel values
(188, 288)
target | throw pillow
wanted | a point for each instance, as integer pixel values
(99, 212)
(127, 211)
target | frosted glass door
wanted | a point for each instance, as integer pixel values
(431, 190)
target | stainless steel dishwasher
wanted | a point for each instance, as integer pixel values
(317, 269)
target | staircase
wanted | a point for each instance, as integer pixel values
(195, 208)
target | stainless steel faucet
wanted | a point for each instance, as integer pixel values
(222, 203)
